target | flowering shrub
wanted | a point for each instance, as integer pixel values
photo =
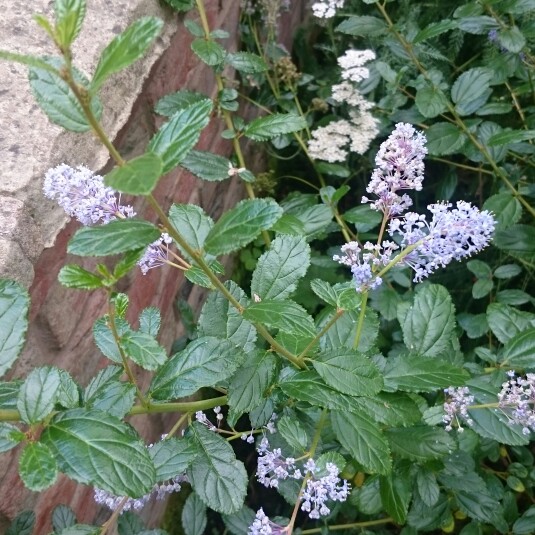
(324, 400)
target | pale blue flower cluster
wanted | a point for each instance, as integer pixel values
(262, 525)
(157, 254)
(517, 399)
(83, 195)
(452, 233)
(456, 408)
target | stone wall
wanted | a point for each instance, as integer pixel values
(34, 232)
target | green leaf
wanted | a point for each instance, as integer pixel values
(475, 325)
(507, 271)
(512, 39)
(180, 5)
(138, 176)
(494, 108)
(266, 128)
(507, 322)
(95, 448)
(216, 476)
(174, 102)
(31, 61)
(192, 223)
(389, 408)
(427, 486)
(206, 165)
(525, 525)
(507, 137)
(420, 443)
(69, 18)
(279, 269)
(361, 436)
(126, 48)
(144, 350)
(241, 225)
(220, 319)
(444, 138)
(513, 297)
(38, 394)
(415, 373)
(62, 517)
(114, 237)
(37, 467)
(362, 26)
(204, 362)
(293, 433)
(194, 515)
(9, 394)
(172, 457)
(478, 25)
(505, 208)
(343, 332)
(434, 29)
(105, 340)
(10, 436)
(208, 51)
(519, 351)
(431, 101)
(238, 523)
(469, 86)
(349, 372)
(324, 291)
(395, 495)
(81, 529)
(73, 276)
(22, 524)
(14, 304)
(56, 98)
(150, 321)
(249, 384)
(179, 135)
(517, 240)
(68, 393)
(482, 288)
(113, 397)
(246, 62)
(287, 316)
(429, 323)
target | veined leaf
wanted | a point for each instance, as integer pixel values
(209, 52)
(138, 176)
(420, 443)
(170, 104)
(192, 223)
(194, 515)
(144, 350)
(266, 128)
(37, 467)
(172, 457)
(69, 18)
(205, 165)
(38, 394)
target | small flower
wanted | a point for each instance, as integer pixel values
(352, 64)
(319, 490)
(326, 9)
(456, 408)
(399, 166)
(517, 399)
(202, 418)
(262, 525)
(84, 196)
(157, 254)
(272, 466)
(234, 171)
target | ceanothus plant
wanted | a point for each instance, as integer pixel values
(348, 428)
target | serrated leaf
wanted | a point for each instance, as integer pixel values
(204, 362)
(420, 443)
(279, 269)
(238, 523)
(9, 392)
(431, 101)
(68, 394)
(287, 316)
(174, 102)
(293, 433)
(38, 394)
(208, 51)
(179, 135)
(507, 322)
(172, 457)
(113, 397)
(512, 39)
(434, 29)
(241, 225)
(22, 524)
(95, 448)
(37, 467)
(470, 85)
(428, 489)
(105, 340)
(56, 98)
(126, 48)
(362, 26)
(248, 385)
(389, 408)
(361, 436)
(216, 476)
(194, 515)
(519, 351)
(10, 436)
(81, 529)
(395, 494)
(478, 25)
(505, 208)
(73, 276)
(414, 373)
(115, 237)
(246, 62)
(348, 372)
(324, 291)
(429, 323)
(69, 18)
(266, 128)
(192, 223)
(507, 137)
(150, 321)
(220, 319)
(444, 138)
(205, 165)
(14, 304)
(144, 350)
(138, 176)
(62, 517)
(31, 61)
(518, 240)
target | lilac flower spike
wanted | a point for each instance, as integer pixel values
(517, 399)
(83, 195)
(456, 408)
(262, 525)
(399, 166)
(157, 254)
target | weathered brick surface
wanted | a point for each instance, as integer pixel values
(61, 319)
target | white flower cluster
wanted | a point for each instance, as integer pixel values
(83, 195)
(333, 142)
(326, 9)
(517, 399)
(203, 419)
(456, 408)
